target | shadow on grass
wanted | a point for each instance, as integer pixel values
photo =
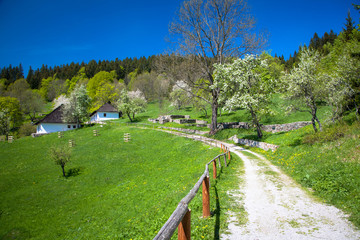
(217, 216)
(73, 172)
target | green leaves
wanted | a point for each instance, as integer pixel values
(10, 114)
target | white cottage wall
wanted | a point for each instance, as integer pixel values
(54, 127)
(103, 116)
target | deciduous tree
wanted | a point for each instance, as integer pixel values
(212, 31)
(77, 110)
(61, 156)
(10, 115)
(131, 103)
(305, 86)
(248, 84)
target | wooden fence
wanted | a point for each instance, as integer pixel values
(181, 217)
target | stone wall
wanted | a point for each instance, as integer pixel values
(252, 143)
(227, 125)
(284, 127)
(267, 128)
(191, 131)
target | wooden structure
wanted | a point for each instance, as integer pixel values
(181, 217)
(60, 134)
(95, 132)
(127, 137)
(71, 143)
(10, 139)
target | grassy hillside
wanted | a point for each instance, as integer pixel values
(114, 190)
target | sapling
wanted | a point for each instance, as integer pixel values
(61, 156)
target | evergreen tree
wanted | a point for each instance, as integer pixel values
(315, 42)
(349, 26)
(30, 77)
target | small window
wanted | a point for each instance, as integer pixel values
(74, 126)
(104, 114)
(69, 126)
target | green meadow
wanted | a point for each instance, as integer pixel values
(112, 189)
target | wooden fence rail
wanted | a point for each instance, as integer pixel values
(177, 220)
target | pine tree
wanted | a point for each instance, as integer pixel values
(30, 78)
(315, 42)
(349, 26)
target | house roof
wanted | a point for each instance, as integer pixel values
(107, 107)
(54, 117)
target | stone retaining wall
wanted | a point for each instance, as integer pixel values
(191, 131)
(267, 128)
(284, 127)
(252, 143)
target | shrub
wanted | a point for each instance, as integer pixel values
(329, 134)
(27, 129)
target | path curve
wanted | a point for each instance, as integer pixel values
(278, 208)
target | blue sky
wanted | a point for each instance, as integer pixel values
(56, 32)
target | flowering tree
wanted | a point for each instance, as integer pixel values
(245, 83)
(180, 94)
(305, 86)
(131, 103)
(77, 109)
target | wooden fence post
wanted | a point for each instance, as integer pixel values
(60, 134)
(206, 197)
(214, 169)
(225, 160)
(229, 155)
(184, 228)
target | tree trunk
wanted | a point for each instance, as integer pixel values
(63, 170)
(318, 121)
(256, 123)
(214, 111)
(128, 114)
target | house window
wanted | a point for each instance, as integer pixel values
(74, 126)
(104, 114)
(69, 126)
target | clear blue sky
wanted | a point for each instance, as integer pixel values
(57, 32)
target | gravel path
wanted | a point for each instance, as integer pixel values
(278, 208)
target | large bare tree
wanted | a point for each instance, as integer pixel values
(208, 32)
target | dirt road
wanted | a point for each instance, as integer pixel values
(278, 208)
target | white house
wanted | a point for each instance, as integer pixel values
(53, 122)
(105, 112)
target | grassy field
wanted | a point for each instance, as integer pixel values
(113, 189)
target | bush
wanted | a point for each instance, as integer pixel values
(27, 129)
(329, 134)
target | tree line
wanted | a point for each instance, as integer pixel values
(67, 71)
